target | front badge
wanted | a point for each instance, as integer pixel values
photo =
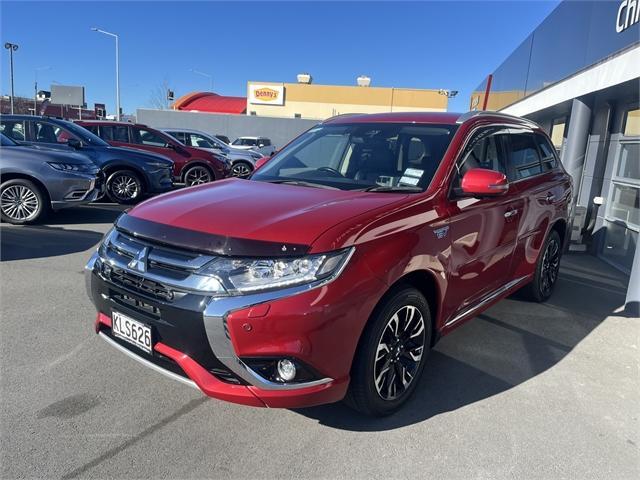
(139, 262)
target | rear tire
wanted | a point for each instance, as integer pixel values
(547, 269)
(22, 202)
(124, 187)
(391, 354)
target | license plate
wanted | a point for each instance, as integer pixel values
(131, 330)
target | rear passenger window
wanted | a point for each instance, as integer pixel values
(523, 156)
(549, 161)
(92, 128)
(13, 130)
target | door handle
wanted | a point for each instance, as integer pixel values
(510, 213)
(549, 198)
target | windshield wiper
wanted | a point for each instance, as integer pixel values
(379, 188)
(303, 183)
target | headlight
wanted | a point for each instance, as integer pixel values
(159, 164)
(247, 275)
(71, 167)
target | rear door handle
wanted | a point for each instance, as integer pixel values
(549, 198)
(510, 213)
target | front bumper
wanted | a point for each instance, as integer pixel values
(202, 339)
(160, 181)
(72, 189)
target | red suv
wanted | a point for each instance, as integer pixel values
(375, 236)
(191, 166)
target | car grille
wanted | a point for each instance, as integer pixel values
(150, 269)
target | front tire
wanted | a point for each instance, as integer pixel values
(124, 187)
(391, 355)
(22, 202)
(197, 175)
(547, 269)
(241, 169)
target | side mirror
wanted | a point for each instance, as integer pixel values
(74, 143)
(481, 182)
(260, 162)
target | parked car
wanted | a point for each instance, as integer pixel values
(224, 138)
(130, 174)
(34, 181)
(258, 144)
(242, 161)
(375, 236)
(191, 166)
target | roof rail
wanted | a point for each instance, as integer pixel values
(478, 113)
(340, 115)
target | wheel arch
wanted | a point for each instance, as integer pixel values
(560, 226)
(115, 166)
(24, 176)
(197, 163)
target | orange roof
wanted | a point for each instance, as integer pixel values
(211, 102)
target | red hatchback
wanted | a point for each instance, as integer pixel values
(191, 166)
(375, 236)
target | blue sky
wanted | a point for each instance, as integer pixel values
(451, 45)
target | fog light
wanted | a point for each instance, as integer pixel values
(286, 370)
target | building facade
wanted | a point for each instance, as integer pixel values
(578, 76)
(319, 102)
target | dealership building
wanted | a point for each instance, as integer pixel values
(578, 75)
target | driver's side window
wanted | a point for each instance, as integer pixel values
(484, 151)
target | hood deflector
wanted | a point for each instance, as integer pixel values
(205, 242)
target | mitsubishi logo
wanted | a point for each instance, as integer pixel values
(139, 262)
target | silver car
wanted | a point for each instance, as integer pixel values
(243, 161)
(34, 180)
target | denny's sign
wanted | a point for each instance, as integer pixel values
(266, 94)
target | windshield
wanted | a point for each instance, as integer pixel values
(383, 157)
(6, 141)
(84, 135)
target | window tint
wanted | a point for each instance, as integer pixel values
(93, 129)
(181, 137)
(13, 130)
(549, 161)
(48, 133)
(483, 152)
(523, 156)
(200, 141)
(115, 133)
(142, 136)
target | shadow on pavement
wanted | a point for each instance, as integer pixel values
(509, 344)
(20, 243)
(94, 213)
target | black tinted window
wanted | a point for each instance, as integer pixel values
(549, 160)
(15, 130)
(523, 156)
(145, 137)
(93, 129)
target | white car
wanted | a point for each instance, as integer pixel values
(257, 144)
(243, 161)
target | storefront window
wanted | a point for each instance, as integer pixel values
(632, 124)
(620, 245)
(625, 205)
(629, 161)
(557, 133)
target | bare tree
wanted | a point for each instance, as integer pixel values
(158, 97)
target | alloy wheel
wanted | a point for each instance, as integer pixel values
(550, 267)
(197, 176)
(399, 352)
(19, 203)
(240, 170)
(125, 187)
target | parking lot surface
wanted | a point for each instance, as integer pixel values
(523, 391)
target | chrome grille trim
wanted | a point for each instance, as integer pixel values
(174, 270)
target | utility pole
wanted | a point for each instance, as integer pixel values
(12, 47)
(117, 68)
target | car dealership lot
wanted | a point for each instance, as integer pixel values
(525, 390)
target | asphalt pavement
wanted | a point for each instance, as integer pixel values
(523, 391)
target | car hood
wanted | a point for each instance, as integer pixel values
(49, 154)
(261, 211)
(142, 154)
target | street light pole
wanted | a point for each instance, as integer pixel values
(35, 96)
(117, 67)
(12, 47)
(210, 77)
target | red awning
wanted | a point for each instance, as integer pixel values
(211, 102)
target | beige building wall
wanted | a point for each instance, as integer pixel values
(319, 102)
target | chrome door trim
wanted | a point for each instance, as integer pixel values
(486, 299)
